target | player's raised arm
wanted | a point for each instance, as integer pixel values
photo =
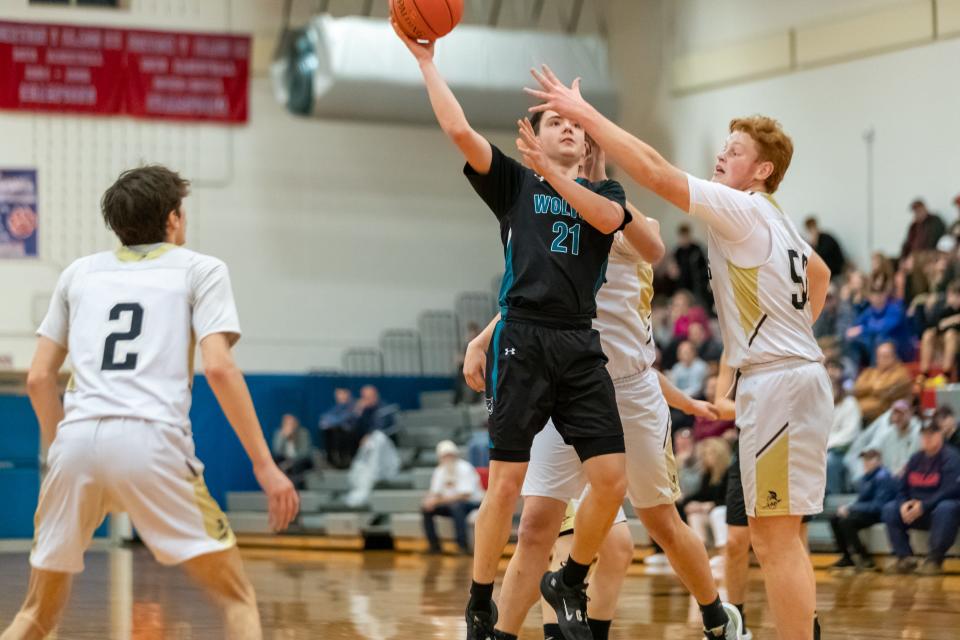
(641, 161)
(642, 233)
(226, 381)
(474, 147)
(600, 211)
(42, 388)
(818, 279)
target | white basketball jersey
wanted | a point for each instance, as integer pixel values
(759, 281)
(130, 321)
(625, 311)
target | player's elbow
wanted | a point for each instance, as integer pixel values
(460, 133)
(39, 380)
(655, 251)
(611, 220)
(219, 373)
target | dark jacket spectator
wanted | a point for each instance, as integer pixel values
(691, 262)
(292, 450)
(928, 499)
(826, 247)
(924, 231)
(884, 320)
(336, 425)
(877, 488)
(370, 413)
(708, 348)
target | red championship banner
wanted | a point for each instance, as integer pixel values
(49, 67)
(187, 76)
(144, 74)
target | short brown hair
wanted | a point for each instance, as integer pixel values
(773, 145)
(138, 204)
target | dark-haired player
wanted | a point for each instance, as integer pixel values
(121, 439)
(545, 361)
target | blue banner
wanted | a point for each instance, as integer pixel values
(18, 213)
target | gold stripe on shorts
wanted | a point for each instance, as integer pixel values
(214, 521)
(773, 475)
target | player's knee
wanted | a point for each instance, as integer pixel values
(620, 549)
(663, 524)
(738, 542)
(609, 486)
(536, 533)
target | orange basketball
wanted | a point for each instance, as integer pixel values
(426, 19)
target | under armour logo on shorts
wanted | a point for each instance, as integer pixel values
(509, 351)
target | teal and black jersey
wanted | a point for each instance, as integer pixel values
(555, 261)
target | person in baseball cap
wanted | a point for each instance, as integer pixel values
(455, 491)
(877, 487)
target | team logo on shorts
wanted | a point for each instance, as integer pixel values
(773, 500)
(490, 405)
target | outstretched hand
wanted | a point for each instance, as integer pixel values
(422, 51)
(556, 96)
(595, 164)
(530, 148)
(703, 409)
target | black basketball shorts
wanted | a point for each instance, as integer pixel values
(535, 373)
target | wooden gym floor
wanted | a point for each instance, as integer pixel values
(381, 595)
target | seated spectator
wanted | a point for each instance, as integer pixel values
(683, 313)
(826, 247)
(371, 414)
(292, 450)
(880, 430)
(708, 348)
(928, 499)
(900, 439)
(704, 428)
(924, 231)
(878, 387)
(688, 374)
(376, 460)
(827, 325)
(688, 467)
(698, 508)
(945, 330)
(478, 446)
(882, 271)
(336, 425)
(947, 422)
(455, 491)
(876, 489)
(847, 423)
(884, 320)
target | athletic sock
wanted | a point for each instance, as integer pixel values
(480, 597)
(600, 628)
(552, 632)
(574, 573)
(743, 616)
(503, 635)
(816, 626)
(714, 617)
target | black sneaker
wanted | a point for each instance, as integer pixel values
(845, 562)
(480, 623)
(570, 603)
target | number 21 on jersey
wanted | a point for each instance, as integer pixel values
(563, 231)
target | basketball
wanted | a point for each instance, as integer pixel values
(427, 19)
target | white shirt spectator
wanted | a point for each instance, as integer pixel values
(457, 479)
(689, 379)
(846, 423)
